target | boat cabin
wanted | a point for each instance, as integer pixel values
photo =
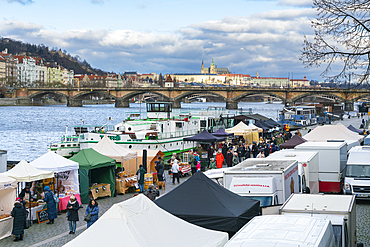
(158, 110)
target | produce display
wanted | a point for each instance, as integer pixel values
(33, 204)
(3, 216)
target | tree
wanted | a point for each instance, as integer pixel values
(341, 39)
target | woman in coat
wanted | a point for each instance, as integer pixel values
(72, 208)
(92, 209)
(160, 169)
(50, 204)
(19, 215)
(219, 159)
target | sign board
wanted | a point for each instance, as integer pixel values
(42, 216)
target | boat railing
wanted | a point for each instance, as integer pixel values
(177, 134)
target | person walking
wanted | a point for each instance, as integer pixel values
(197, 160)
(219, 159)
(229, 158)
(266, 149)
(224, 150)
(160, 169)
(92, 209)
(140, 177)
(254, 150)
(50, 204)
(72, 207)
(19, 215)
(212, 164)
(192, 162)
(235, 159)
(241, 151)
(199, 150)
(175, 172)
(247, 153)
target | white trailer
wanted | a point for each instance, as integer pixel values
(327, 206)
(269, 181)
(332, 163)
(284, 231)
(308, 167)
(357, 180)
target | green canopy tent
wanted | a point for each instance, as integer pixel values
(94, 167)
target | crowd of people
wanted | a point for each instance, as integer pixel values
(232, 153)
(20, 213)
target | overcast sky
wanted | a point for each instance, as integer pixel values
(166, 36)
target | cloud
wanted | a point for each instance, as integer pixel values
(297, 3)
(24, 2)
(268, 42)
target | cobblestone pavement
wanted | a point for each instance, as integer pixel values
(57, 234)
(363, 222)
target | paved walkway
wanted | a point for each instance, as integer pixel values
(57, 234)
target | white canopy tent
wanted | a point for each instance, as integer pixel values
(255, 128)
(8, 187)
(108, 148)
(66, 169)
(332, 132)
(139, 222)
(25, 172)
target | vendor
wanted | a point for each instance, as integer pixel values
(39, 187)
(23, 193)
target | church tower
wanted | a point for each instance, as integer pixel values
(212, 69)
(202, 68)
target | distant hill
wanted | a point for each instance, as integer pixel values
(49, 55)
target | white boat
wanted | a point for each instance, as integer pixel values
(159, 131)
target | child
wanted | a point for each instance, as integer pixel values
(198, 166)
(212, 164)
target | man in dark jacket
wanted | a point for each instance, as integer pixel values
(266, 149)
(241, 152)
(224, 151)
(19, 215)
(140, 177)
(23, 193)
(160, 169)
(50, 205)
(254, 150)
(229, 158)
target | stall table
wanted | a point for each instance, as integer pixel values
(101, 192)
(184, 169)
(6, 227)
(63, 201)
(121, 186)
(33, 211)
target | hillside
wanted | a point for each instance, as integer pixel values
(49, 55)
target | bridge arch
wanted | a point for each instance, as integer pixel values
(239, 97)
(186, 94)
(40, 94)
(88, 93)
(136, 93)
(295, 99)
(367, 95)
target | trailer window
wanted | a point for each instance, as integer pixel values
(299, 183)
(338, 235)
(303, 181)
(264, 200)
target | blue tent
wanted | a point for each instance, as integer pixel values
(204, 136)
(221, 132)
(351, 128)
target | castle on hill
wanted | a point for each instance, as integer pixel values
(213, 69)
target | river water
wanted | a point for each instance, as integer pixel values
(26, 131)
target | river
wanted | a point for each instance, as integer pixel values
(26, 131)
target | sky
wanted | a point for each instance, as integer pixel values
(163, 36)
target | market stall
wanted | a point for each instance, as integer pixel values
(8, 188)
(94, 168)
(25, 172)
(66, 176)
(139, 222)
(108, 148)
(212, 207)
(241, 130)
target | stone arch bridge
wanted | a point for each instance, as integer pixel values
(230, 95)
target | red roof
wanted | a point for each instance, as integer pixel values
(271, 78)
(169, 79)
(240, 75)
